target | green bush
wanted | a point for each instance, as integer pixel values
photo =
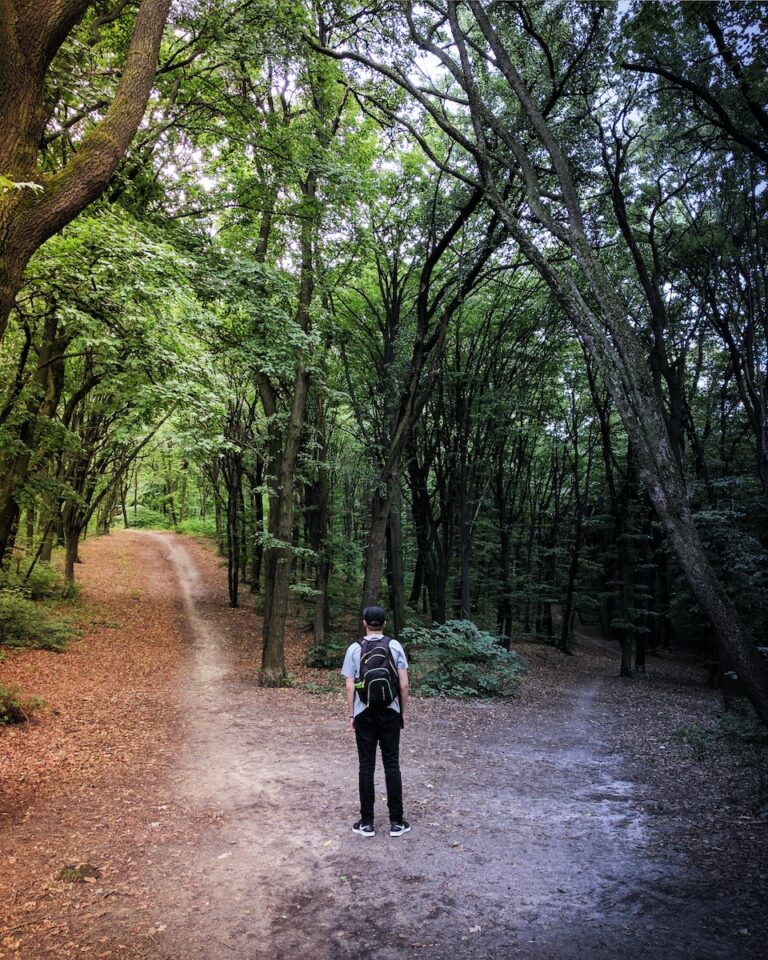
(146, 519)
(198, 527)
(24, 623)
(700, 739)
(332, 685)
(736, 729)
(742, 725)
(327, 655)
(456, 659)
(344, 601)
(43, 583)
(15, 707)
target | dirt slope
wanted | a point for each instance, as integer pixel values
(566, 823)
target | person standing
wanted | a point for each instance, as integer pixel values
(377, 726)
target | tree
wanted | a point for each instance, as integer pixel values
(36, 202)
(425, 262)
(100, 311)
(521, 127)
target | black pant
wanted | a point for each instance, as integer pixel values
(382, 727)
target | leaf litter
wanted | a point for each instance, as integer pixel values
(86, 783)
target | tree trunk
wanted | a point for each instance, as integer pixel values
(233, 547)
(464, 587)
(257, 508)
(72, 529)
(49, 383)
(318, 521)
(504, 623)
(626, 604)
(417, 584)
(565, 631)
(30, 529)
(30, 36)
(424, 575)
(70, 558)
(279, 557)
(243, 520)
(377, 539)
(395, 573)
(124, 493)
(183, 495)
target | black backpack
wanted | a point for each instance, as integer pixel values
(378, 682)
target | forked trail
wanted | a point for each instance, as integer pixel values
(530, 838)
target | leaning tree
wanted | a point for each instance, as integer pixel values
(36, 201)
(516, 89)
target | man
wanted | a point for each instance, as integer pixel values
(380, 726)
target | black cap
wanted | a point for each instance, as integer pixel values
(374, 616)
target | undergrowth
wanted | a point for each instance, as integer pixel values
(741, 734)
(198, 527)
(457, 659)
(26, 618)
(16, 707)
(454, 659)
(329, 654)
(737, 728)
(145, 518)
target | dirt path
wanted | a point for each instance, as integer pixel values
(533, 836)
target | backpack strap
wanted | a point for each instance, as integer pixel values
(395, 671)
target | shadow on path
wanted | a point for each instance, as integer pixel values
(527, 841)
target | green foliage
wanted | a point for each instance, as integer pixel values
(43, 583)
(198, 527)
(343, 602)
(25, 617)
(6, 184)
(456, 659)
(731, 534)
(699, 739)
(145, 518)
(327, 655)
(24, 623)
(304, 591)
(332, 685)
(742, 725)
(737, 729)
(16, 707)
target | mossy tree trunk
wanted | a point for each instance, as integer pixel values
(30, 36)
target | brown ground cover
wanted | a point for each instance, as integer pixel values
(568, 822)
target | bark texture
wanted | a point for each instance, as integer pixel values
(31, 34)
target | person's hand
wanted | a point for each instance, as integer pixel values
(352, 724)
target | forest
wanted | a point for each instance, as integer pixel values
(455, 306)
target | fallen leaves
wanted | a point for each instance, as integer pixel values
(91, 786)
(78, 780)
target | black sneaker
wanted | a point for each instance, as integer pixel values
(364, 829)
(397, 829)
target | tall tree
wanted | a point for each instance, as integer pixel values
(524, 117)
(399, 325)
